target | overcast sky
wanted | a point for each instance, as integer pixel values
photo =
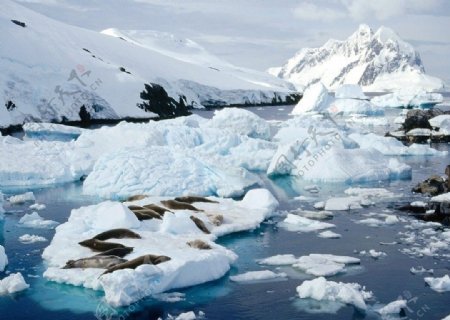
(264, 33)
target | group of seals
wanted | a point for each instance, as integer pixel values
(111, 256)
(148, 212)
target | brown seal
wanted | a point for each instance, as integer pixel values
(118, 252)
(98, 245)
(117, 234)
(156, 208)
(200, 224)
(133, 264)
(177, 205)
(192, 199)
(198, 244)
(99, 261)
(137, 197)
(146, 214)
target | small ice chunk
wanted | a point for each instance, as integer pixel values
(37, 206)
(373, 253)
(439, 284)
(3, 258)
(279, 260)
(27, 238)
(329, 235)
(420, 269)
(319, 205)
(343, 203)
(445, 197)
(301, 224)
(322, 290)
(13, 283)
(394, 307)
(34, 220)
(22, 198)
(257, 276)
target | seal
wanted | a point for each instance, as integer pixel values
(200, 224)
(99, 261)
(146, 214)
(118, 252)
(192, 199)
(156, 208)
(198, 244)
(215, 219)
(137, 197)
(133, 264)
(135, 207)
(117, 234)
(177, 205)
(99, 245)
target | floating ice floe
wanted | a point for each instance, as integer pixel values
(257, 276)
(439, 121)
(22, 198)
(329, 235)
(3, 259)
(324, 264)
(408, 99)
(13, 283)
(439, 284)
(188, 266)
(357, 198)
(394, 307)
(189, 315)
(383, 219)
(27, 238)
(349, 99)
(279, 260)
(301, 224)
(346, 293)
(445, 197)
(38, 206)
(420, 270)
(34, 220)
(373, 253)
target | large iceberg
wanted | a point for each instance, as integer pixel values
(315, 98)
(188, 266)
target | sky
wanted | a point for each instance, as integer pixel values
(264, 33)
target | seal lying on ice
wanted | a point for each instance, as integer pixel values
(99, 261)
(133, 264)
(117, 234)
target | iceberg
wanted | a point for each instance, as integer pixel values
(279, 260)
(315, 99)
(346, 293)
(242, 122)
(408, 99)
(31, 238)
(164, 171)
(12, 284)
(169, 236)
(34, 220)
(394, 307)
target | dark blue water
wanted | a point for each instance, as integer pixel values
(389, 277)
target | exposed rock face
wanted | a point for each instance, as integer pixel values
(433, 186)
(419, 118)
(378, 61)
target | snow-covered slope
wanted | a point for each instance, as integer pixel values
(378, 61)
(51, 69)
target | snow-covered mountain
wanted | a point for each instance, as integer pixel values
(377, 61)
(52, 71)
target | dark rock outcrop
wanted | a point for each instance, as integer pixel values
(433, 186)
(156, 100)
(19, 23)
(418, 118)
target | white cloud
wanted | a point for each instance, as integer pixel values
(384, 9)
(311, 12)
